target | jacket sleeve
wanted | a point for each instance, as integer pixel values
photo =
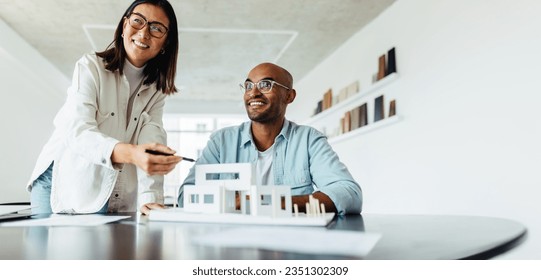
(332, 177)
(151, 187)
(79, 116)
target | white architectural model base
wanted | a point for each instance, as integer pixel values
(215, 200)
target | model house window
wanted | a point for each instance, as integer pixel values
(208, 199)
(194, 198)
(266, 199)
(188, 135)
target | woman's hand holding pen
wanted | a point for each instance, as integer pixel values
(155, 164)
(152, 164)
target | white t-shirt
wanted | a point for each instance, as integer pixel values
(135, 79)
(264, 175)
(134, 76)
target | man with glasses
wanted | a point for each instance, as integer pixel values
(283, 152)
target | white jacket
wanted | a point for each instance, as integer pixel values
(88, 126)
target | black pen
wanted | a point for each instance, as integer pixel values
(153, 152)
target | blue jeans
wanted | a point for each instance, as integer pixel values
(40, 196)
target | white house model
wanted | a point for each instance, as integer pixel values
(218, 196)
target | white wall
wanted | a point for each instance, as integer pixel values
(470, 97)
(32, 92)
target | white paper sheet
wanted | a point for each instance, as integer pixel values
(299, 240)
(66, 220)
(7, 209)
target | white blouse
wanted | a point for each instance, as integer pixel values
(92, 121)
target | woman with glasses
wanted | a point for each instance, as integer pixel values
(98, 158)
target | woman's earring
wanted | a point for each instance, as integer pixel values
(162, 51)
(122, 35)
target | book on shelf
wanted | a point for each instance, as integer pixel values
(327, 100)
(347, 92)
(391, 62)
(363, 115)
(392, 108)
(379, 113)
(381, 67)
(355, 118)
(359, 117)
(353, 89)
(319, 107)
(342, 95)
(328, 95)
(347, 122)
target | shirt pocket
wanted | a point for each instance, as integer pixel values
(300, 181)
(144, 119)
(148, 131)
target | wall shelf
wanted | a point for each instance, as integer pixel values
(353, 99)
(328, 119)
(365, 129)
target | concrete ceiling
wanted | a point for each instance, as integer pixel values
(220, 40)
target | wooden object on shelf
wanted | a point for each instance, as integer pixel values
(361, 97)
(324, 102)
(381, 67)
(359, 117)
(333, 118)
(347, 92)
(327, 100)
(363, 115)
(353, 88)
(367, 129)
(342, 95)
(391, 62)
(392, 108)
(347, 122)
(319, 107)
(355, 118)
(379, 112)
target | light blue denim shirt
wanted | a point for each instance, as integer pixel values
(303, 160)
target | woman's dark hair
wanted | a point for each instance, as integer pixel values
(162, 68)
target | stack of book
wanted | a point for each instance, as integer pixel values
(353, 119)
(324, 103)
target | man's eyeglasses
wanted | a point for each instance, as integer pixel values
(264, 86)
(138, 21)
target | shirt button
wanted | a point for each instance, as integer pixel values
(104, 161)
(135, 119)
(112, 113)
(116, 195)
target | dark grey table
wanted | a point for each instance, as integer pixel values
(419, 237)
